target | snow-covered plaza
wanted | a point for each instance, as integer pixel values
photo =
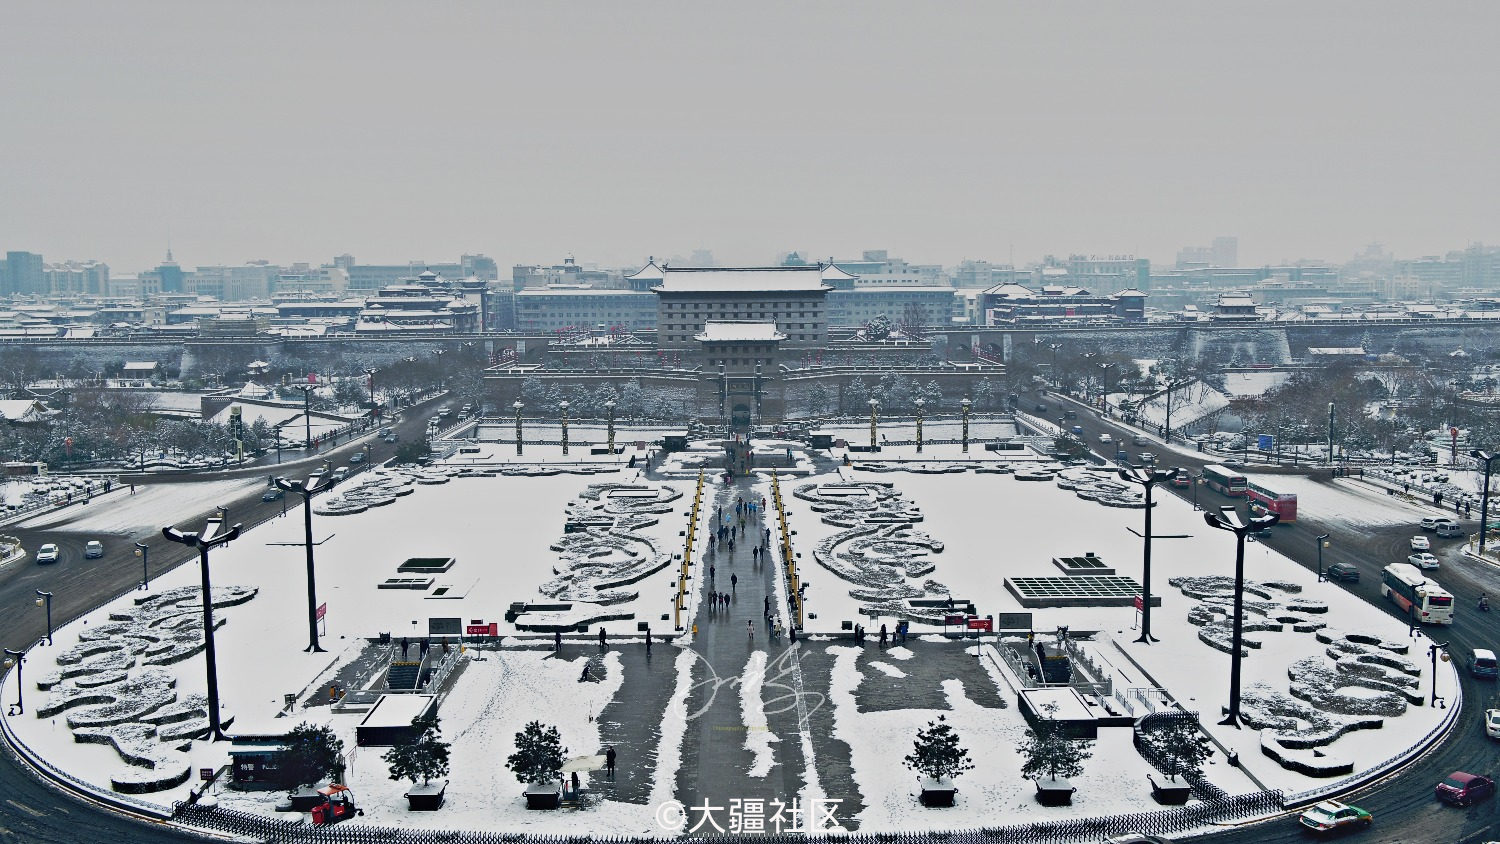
(500, 551)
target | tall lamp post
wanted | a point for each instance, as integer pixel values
(1104, 369)
(1330, 433)
(610, 407)
(1322, 543)
(517, 407)
(16, 659)
(370, 385)
(874, 405)
(965, 405)
(315, 484)
(564, 408)
(307, 390)
(210, 537)
(44, 599)
(143, 551)
(1172, 384)
(1056, 382)
(1229, 519)
(1484, 498)
(1148, 479)
(919, 403)
(1432, 653)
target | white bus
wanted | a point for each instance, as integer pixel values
(1410, 589)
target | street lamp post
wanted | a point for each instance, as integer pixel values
(1322, 543)
(143, 551)
(208, 538)
(1484, 498)
(610, 407)
(874, 405)
(723, 396)
(564, 408)
(44, 599)
(1056, 382)
(315, 484)
(1148, 479)
(1229, 519)
(307, 390)
(370, 385)
(965, 405)
(517, 406)
(919, 403)
(1330, 433)
(1166, 436)
(16, 659)
(1104, 369)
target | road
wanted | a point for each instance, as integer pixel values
(1403, 803)
(30, 810)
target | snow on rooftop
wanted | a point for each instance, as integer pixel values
(718, 332)
(751, 279)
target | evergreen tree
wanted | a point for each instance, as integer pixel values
(1174, 747)
(1049, 752)
(984, 394)
(539, 754)
(937, 753)
(311, 754)
(422, 756)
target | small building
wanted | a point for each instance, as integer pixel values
(389, 720)
(1062, 705)
(138, 373)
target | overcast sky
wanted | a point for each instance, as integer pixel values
(527, 131)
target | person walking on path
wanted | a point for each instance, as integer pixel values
(882, 637)
(767, 608)
(734, 582)
(556, 641)
(711, 572)
(602, 644)
(609, 761)
(750, 627)
(648, 641)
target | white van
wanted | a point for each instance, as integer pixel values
(1449, 529)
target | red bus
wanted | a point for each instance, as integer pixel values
(1223, 480)
(1262, 497)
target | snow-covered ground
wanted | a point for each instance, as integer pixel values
(502, 530)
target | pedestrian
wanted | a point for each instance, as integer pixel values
(648, 641)
(609, 761)
(882, 637)
(791, 633)
(601, 638)
(584, 677)
(711, 571)
(768, 604)
(132, 489)
(750, 628)
(734, 582)
(575, 785)
(556, 641)
(731, 544)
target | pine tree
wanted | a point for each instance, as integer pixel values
(539, 754)
(423, 755)
(1049, 752)
(311, 754)
(1175, 748)
(937, 753)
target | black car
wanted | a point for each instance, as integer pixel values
(1342, 571)
(273, 494)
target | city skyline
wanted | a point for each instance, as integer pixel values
(529, 133)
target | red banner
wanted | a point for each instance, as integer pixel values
(979, 624)
(1140, 603)
(491, 629)
(950, 620)
(322, 611)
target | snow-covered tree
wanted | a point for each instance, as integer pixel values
(1174, 746)
(878, 329)
(423, 756)
(539, 754)
(937, 753)
(312, 753)
(1049, 752)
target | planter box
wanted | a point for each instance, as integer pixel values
(543, 796)
(1058, 792)
(938, 793)
(1170, 793)
(426, 798)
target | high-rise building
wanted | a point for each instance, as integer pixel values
(74, 277)
(171, 275)
(23, 275)
(1225, 252)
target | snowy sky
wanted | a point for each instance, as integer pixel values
(394, 131)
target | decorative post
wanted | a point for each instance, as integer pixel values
(1322, 543)
(873, 406)
(919, 403)
(144, 552)
(610, 406)
(370, 385)
(965, 405)
(307, 489)
(564, 408)
(1104, 368)
(1228, 519)
(307, 415)
(209, 538)
(1484, 498)
(1330, 433)
(45, 599)
(518, 405)
(1432, 652)
(15, 659)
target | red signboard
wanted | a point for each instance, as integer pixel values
(322, 611)
(491, 629)
(979, 624)
(952, 620)
(1139, 603)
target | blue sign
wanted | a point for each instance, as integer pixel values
(1265, 442)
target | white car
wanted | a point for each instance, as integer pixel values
(1106, 438)
(1420, 543)
(1492, 723)
(1424, 560)
(1432, 522)
(48, 553)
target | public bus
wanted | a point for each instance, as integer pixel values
(1283, 504)
(1410, 589)
(1224, 480)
